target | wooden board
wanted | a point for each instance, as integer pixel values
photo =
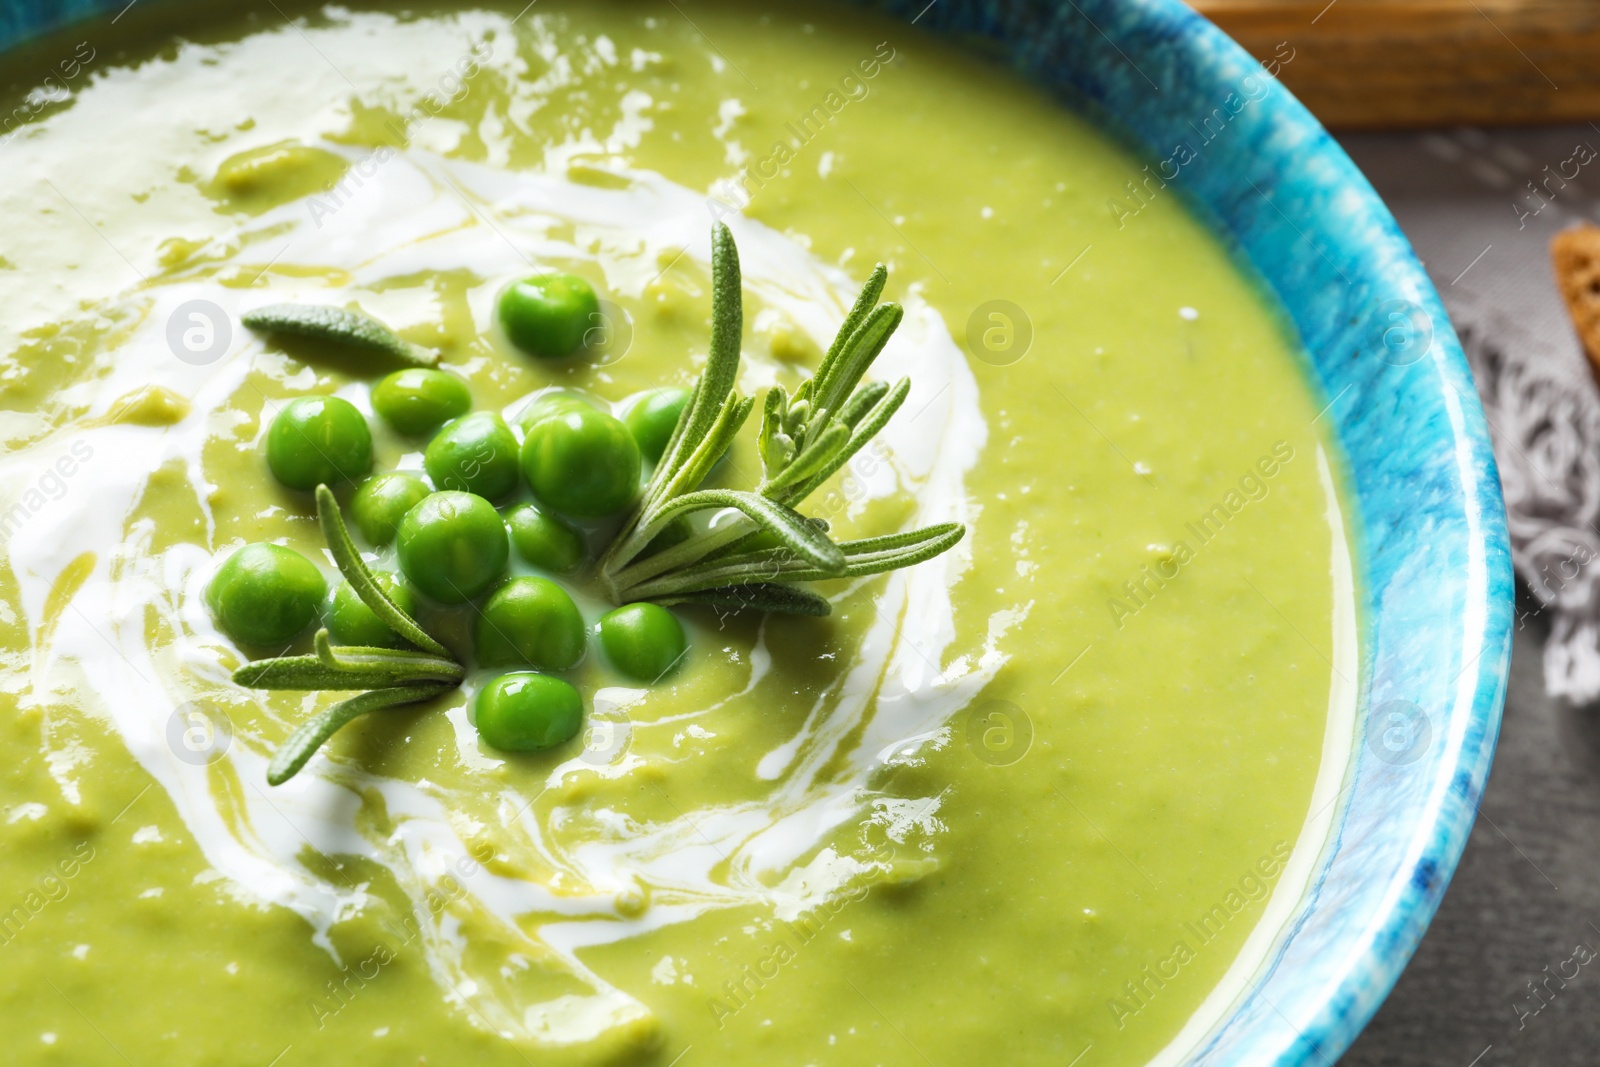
(1385, 64)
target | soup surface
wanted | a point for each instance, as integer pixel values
(1036, 801)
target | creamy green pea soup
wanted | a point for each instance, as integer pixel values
(1045, 798)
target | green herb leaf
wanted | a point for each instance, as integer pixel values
(305, 741)
(862, 400)
(797, 534)
(872, 555)
(406, 666)
(355, 571)
(722, 366)
(869, 556)
(307, 673)
(336, 326)
(678, 429)
(852, 321)
(769, 597)
(858, 354)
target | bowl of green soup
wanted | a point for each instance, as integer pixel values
(633, 534)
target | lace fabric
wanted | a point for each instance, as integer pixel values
(1545, 422)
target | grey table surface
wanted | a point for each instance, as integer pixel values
(1486, 988)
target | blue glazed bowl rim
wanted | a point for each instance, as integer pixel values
(1144, 67)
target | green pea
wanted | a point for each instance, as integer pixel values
(527, 712)
(643, 641)
(582, 463)
(544, 540)
(351, 622)
(548, 403)
(530, 622)
(549, 315)
(382, 500)
(653, 416)
(452, 546)
(417, 399)
(265, 594)
(318, 439)
(474, 454)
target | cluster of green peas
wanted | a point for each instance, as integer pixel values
(453, 544)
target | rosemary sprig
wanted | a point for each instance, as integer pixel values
(803, 441)
(390, 677)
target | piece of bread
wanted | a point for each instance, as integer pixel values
(1575, 254)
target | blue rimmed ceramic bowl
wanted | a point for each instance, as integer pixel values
(1432, 548)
